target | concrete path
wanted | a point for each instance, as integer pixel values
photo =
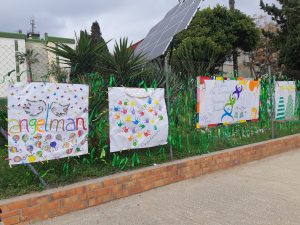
(265, 192)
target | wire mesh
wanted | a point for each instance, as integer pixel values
(184, 138)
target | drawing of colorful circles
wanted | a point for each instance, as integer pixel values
(69, 151)
(38, 136)
(58, 137)
(53, 144)
(39, 154)
(29, 148)
(47, 148)
(13, 149)
(38, 144)
(48, 137)
(17, 159)
(66, 145)
(25, 138)
(80, 133)
(72, 136)
(16, 138)
(31, 158)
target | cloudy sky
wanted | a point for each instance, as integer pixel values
(117, 18)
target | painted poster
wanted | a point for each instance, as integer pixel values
(224, 102)
(137, 118)
(285, 100)
(47, 121)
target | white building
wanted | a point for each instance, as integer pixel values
(11, 70)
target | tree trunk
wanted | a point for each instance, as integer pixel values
(235, 56)
(232, 4)
(234, 53)
(30, 73)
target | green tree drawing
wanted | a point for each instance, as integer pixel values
(290, 110)
(280, 115)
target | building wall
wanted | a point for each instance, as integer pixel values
(53, 59)
(8, 63)
(40, 68)
(244, 70)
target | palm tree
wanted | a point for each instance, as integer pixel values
(124, 63)
(82, 59)
(30, 58)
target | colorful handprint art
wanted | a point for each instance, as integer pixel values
(138, 118)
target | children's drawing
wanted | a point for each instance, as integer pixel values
(222, 101)
(285, 100)
(47, 121)
(137, 118)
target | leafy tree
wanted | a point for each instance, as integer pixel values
(195, 56)
(288, 39)
(97, 38)
(230, 29)
(96, 34)
(82, 59)
(266, 53)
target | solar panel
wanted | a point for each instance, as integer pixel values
(160, 36)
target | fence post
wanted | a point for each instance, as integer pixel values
(17, 61)
(271, 100)
(166, 72)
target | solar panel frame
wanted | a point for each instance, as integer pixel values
(160, 36)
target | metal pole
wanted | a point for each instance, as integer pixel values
(271, 100)
(17, 61)
(43, 182)
(166, 72)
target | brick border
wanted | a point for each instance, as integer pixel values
(55, 202)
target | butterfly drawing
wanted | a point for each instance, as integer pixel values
(34, 108)
(59, 110)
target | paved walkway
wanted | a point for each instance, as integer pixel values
(265, 192)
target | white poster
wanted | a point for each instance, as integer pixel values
(47, 121)
(227, 101)
(285, 100)
(137, 118)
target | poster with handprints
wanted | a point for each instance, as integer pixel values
(137, 118)
(285, 100)
(47, 121)
(223, 101)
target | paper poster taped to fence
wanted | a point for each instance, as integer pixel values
(138, 118)
(224, 102)
(285, 100)
(47, 121)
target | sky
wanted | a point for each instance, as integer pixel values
(117, 18)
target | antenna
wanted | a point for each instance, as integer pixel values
(32, 33)
(33, 25)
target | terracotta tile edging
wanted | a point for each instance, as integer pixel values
(59, 201)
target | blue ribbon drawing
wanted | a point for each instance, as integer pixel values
(238, 91)
(231, 102)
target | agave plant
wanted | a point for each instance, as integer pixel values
(82, 59)
(124, 63)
